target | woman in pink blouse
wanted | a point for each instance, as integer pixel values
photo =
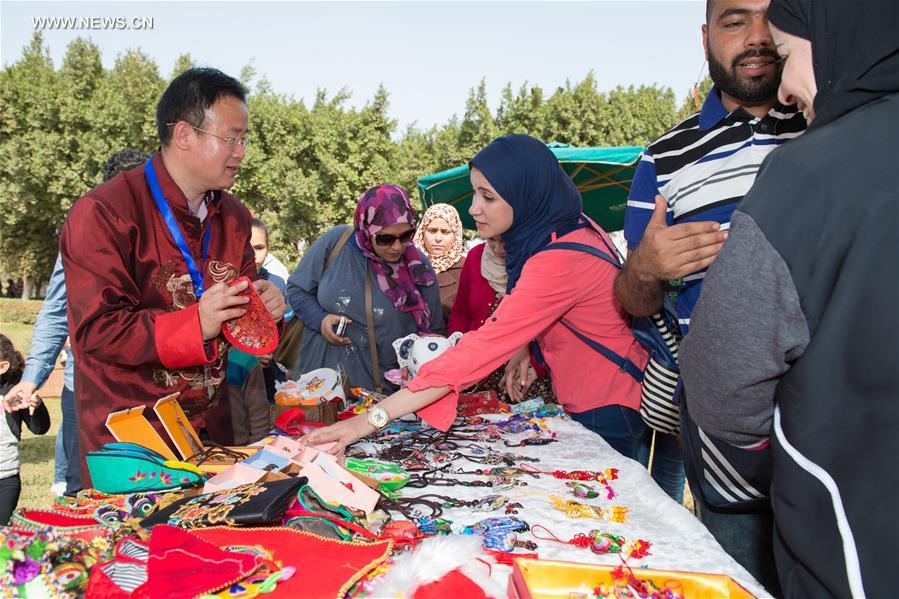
(482, 286)
(522, 194)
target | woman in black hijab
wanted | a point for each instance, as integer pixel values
(796, 335)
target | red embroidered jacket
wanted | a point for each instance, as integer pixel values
(133, 317)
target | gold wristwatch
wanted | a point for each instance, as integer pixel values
(378, 417)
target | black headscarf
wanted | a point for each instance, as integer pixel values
(855, 49)
(543, 198)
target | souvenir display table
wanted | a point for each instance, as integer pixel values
(506, 483)
(678, 540)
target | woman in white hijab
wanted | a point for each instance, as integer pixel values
(439, 236)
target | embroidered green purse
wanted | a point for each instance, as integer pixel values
(131, 468)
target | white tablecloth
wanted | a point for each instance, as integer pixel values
(679, 540)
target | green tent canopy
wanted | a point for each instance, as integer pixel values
(602, 175)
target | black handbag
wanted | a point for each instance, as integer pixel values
(249, 505)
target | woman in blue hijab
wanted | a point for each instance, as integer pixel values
(542, 196)
(558, 298)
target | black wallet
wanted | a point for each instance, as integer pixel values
(248, 505)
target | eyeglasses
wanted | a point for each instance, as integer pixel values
(386, 240)
(243, 142)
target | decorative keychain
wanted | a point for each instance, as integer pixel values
(490, 503)
(505, 483)
(534, 440)
(602, 477)
(582, 490)
(500, 534)
(574, 509)
(508, 471)
(600, 542)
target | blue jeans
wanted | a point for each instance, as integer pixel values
(69, 432)
(621, 427)
(60, 462)
(667, 463)
(746, 537)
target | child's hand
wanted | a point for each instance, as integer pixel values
(13, 403)
(33, 402)
(17, 397)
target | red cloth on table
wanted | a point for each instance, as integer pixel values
(325, 567)
(133, 317)
(178, 564)
(553, 285)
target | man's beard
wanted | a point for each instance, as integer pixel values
(750, 90)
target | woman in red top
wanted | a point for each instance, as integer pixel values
(522, 194)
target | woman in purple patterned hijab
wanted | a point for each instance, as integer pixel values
(385, 225)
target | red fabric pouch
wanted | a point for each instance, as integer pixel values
(255, 332)
(173, 564)
(481, 402)
(332, 567)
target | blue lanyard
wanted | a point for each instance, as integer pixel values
(195, 274)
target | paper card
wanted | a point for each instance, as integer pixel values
(286, 443)
(297, 453)
(325, 448)
(285, 446)
(132, 426)
(329, 465)
(343, 489)
(267, 461)
(234, 476)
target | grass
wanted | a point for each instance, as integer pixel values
(36, 452)
(19, 334)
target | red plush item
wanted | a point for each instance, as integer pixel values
(293, 422)
(255, 332)
(331, 567)
(452, 586)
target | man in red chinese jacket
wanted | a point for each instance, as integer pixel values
(139, 250)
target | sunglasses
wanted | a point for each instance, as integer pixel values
(386, 240)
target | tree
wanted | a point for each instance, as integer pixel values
(31, 149)
(636, 116)
(477, 128)
(182, 63)
(574, 113)
(523, 112)
(308, 163)
(694, 99)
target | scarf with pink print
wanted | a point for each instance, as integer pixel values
(380, 207)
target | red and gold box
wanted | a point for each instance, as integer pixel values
(547, 579)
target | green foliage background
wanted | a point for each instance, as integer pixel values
(307, 164)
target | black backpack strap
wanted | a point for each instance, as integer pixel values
(623, 364)
(582, 247)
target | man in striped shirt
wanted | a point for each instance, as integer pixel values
(685, 189)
